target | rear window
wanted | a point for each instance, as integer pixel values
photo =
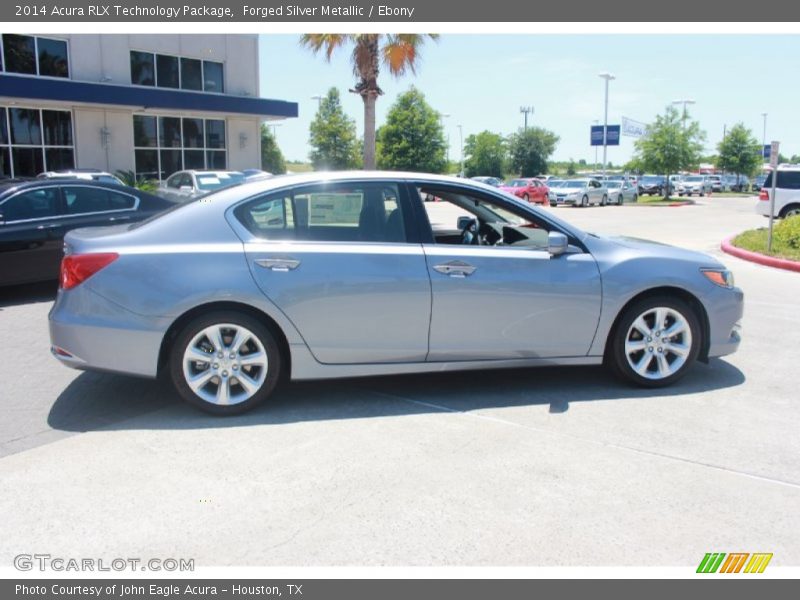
(788, 180)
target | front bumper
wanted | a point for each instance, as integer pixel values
(725, 322)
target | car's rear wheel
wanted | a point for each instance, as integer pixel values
(526, 197)
(655, 342)
(620, 200)
(792, 210)
(225, 362)
(585, 201)
(604, 200)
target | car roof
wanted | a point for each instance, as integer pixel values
(11, 185)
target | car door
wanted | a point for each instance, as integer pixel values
(31, 235)
(504, 302)
(89, 206)
(342, 262)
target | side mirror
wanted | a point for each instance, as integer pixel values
(557, 243)
(464, 222)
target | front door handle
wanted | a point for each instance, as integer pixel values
(455, 268)
(278, 264)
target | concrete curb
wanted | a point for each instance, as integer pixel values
(762, 259)
(668, 204)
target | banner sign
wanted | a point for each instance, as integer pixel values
(633, 128)
(612, 135)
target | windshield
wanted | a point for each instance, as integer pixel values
(613, 184)
(650, 179)
(555, 183)
(216, 181)
(517, 183)
(694, 179)
(579, 183)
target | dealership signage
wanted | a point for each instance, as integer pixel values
(612, 135)
(633, 128)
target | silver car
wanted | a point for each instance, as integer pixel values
(622, 191)
(327, 275)
(186, 185)
(694, 184)
(582, 192)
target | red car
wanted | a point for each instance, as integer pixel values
(529, 189)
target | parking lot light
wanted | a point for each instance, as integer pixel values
(608, 77)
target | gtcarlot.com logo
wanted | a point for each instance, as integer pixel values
(734, 562)
(47, 562)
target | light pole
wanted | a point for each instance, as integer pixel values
(461, 145)
(275, 130)
(318, 98)
(525, 110)
(764, 134)
(608, 77)
(595, 122)
(684, 114)
(442, 117)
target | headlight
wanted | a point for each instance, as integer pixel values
(720, 277)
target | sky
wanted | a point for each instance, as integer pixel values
(481, 81)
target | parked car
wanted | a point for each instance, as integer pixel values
(227, 297)
(652, 185)
(528, 189)
(582, 192)
(186, 185)
(694, 184)
(86, 174)
(621, 191)
(758, 182)
(717, 183)
(255, 174)
(787, 193)
(738, 184)
(492, 181)
(674, 181)
(35, 215)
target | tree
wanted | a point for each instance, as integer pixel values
(739, 152)
(271, 156)
(412, 138)
(529, 150)
(671, 145)
(485, 153)
(333, 136)
(571, 168)
(397, 52)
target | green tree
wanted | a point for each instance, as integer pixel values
(271, 156)
(485, 153)
(671, 145)
(529, 150)
(571, 167)
(332, 138)
(739, 152)
(399, 53)
(412, 138)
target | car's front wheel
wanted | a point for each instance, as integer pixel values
(656, 340)
(225, 362)
(620, 200)
(526, 197)
(604, 200)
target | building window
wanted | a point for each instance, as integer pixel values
(33, 140)
(164, 70)
(30, 55)
(164, 145)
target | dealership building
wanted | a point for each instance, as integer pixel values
(152, 104)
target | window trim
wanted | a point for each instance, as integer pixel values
(5, 70)
(62, 189)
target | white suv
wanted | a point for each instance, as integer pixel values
(787, 193)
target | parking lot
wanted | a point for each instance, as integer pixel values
(552, 466)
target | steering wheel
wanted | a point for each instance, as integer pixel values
(470, 235)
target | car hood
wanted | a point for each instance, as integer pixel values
(691, 183)
(658, 249)
(569, 190)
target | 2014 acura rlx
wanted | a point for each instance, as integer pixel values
(352, 274)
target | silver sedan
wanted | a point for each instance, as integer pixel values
(621, 191)
(581, 192)
(352, 274)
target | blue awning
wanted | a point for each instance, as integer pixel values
(67, 90)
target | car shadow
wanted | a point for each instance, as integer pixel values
(95, 401)
(28, 293)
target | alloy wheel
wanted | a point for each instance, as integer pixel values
(658, 343)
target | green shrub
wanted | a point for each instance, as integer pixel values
(129, 178)
(787, 232)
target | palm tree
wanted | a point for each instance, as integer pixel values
(398, 52)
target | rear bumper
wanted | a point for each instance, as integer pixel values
(90, 332)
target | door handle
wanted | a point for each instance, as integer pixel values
(455, 268)
(123, 218)
(49, 226)
(278, 264)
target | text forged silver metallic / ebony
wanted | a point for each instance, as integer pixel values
(351, 274)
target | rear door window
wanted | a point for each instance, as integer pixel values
(33, 204)
(788, 180)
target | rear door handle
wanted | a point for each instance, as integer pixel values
(455, 268)
(49, 226)
(278, 264)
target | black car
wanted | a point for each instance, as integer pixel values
(36, 214)
(758, 182)
(652, 184)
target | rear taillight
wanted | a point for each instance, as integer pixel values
(77, 268)
(763, 195)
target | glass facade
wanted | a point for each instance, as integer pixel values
(34, 55)
(167, 71)
(34, 140)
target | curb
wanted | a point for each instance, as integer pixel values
(762, 259)
(668, 204)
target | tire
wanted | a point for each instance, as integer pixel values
(636, 197)
(258, 348)
(792, 210)
(604, 200)
(634, 339)
(585, 201)
(620, 200)
(526, 197)
(552, 205)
